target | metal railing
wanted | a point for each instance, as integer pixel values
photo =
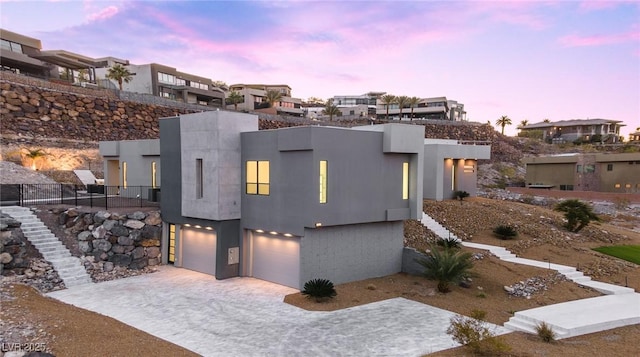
(79, 195)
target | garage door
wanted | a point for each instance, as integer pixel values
(277, 259)
(199, 250)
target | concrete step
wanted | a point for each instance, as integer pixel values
(608, 289)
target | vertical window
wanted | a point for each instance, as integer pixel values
(405, 180)
(579, 169)
(257, 177)
(453, 175)
(609, 167)
(199, 178)
(124, 174)
(153, 174)
(323, 181)
(172, 243)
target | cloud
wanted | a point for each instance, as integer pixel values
(599, 40)
(103, 14)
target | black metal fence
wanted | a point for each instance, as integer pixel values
(79, 195)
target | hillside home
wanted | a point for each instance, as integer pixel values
(290, 204)
(254, 99)
(585, 172)
(437, 108)
(600, 130)
(17, 54)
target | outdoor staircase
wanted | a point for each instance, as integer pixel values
(528, 320)
(69, 268)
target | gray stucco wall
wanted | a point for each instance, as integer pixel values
(350, 253)
(138, 154)
(213, 137)
(364, 183)
(171, 201)
(410, 257)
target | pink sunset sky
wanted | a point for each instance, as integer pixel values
(527, 60)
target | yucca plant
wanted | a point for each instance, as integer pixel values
(320, 289)
(446, 266)
(505, 232)
(449, 243)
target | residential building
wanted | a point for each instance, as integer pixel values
(450, 166)
(597, 130)
(291, 204)
(254, 99)
(364, 105)
(437, 108)
(585, 172)
(17, 55)
(634, 137)
(167, 82)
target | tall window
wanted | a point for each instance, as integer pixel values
(323, 181)
(172, 243)
(124, 174)
(405, 180)
(154, 172)
(199, 191)
(257, 178)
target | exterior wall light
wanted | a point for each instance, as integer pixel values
(274, 233)
(288, 235)
(259, 231)
(197, 226)
(318, 224)
(187, 225)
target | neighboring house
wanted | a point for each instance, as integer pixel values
(437, 108)
(132, 167)
(291, 204)
(364, 105)
(585, 172)
(600, 130)
(167, 82)
(451, 165)
(254, 96)
(634, 137)
(17, 54)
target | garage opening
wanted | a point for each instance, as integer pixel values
(276, 258)
(198, 248)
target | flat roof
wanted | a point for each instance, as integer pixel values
(572, 122)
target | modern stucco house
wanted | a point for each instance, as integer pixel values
(585, 172)
(254, 99)
(604, 130)
(290, 204)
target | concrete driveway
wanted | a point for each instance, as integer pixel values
(246, 317)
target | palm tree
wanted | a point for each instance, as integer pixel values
(34, 155)
(503, 121)
(413, 102)
(119, 74)
(402, 101)
(330, 109)
(546, 121)
(272, 97)
(235, 98)
(387, 100)
(446, 266)
(577, 213)
(523, 123)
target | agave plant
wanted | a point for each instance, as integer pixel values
(505, 232)
(446, 266)
(320, 289)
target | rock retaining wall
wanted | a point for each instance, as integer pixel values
(115, 240)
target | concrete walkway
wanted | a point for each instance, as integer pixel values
(569, 319)
(247, 317)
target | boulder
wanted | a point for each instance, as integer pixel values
(99, 255)
(153, 261)
(153, 252)
(137, 253)
(99, 232)
(85, 235)
(153, 218)
(134, 224)
(101, 216)
(138, 263)
(125, 240)
(150, 243)
(120, 259)
(72, 212)
(108, 224)
(137, 215)
(107, 267)
(119, 231)
(102, 244)
(151, 232)
(136, 235)
(5, 258)
(85, 246)
(117, 249)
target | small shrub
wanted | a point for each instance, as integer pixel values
(320, 289)
(505, 232)
(481, 295)
(577, 213)
(449, 243)
(478, 314)
(460, 195)
(621, 203)
(476, 336)
(371, 287)
(545, 332)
